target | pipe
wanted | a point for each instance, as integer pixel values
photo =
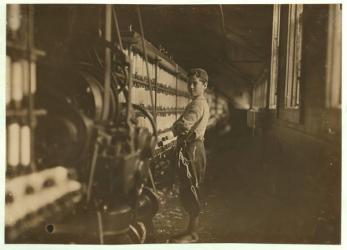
(92, 171)
(117, 28)
(222, 18)
(100, 227)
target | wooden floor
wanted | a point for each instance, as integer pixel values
(253, 195)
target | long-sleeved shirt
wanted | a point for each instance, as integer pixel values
(197, 111)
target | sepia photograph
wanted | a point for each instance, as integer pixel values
(129, 124)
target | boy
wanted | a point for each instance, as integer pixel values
(190, 130)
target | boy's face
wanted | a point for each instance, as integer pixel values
(196, 87)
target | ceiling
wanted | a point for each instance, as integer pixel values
(232, 42)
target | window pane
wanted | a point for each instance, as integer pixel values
(333, 81)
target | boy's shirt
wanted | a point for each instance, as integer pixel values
(197, 109)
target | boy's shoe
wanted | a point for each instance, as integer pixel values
(185, 238)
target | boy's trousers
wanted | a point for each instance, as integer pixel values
(191, 165)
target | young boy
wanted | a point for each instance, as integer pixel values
(190, 130)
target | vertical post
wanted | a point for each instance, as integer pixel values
(32, 83)
(107, 85)
(251, 113)
(145, 55)
(273, 74)
(130, 105)
(267, 87)
(216, 103)
(155, 87)
(100, 227)
(252, 95)
(176, 111)
(130, 85)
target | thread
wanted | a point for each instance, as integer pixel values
(133, 94)
(33, 77)
(25, 146)
(121, 97)
(14, 17)
(25, 83)
(13, 144)
(17, 81)
(133, 59)
(8, 79)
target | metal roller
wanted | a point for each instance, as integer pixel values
(93, 88)
(74, 102)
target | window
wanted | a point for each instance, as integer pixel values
(333, 80)
(274, 56)
(293, 65)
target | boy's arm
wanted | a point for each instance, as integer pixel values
(190, 116)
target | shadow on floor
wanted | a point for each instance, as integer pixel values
(252, 196)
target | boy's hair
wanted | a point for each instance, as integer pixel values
(199, 73)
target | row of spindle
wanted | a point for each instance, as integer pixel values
(20, 87)
(163, 122)
(211, 100)
(174, 99)
(139, 70)
(218, 105)
(156, 72)
(222, 106)
(141, 96)
(139, 67)
(29, 194)
(182, 85)
(165, 100)
(20, 74)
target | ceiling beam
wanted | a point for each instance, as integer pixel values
(239, 72)
(245, 61)
(236, 39)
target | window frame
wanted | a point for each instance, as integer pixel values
(276, 28)
(292, 93)
(333, 95)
